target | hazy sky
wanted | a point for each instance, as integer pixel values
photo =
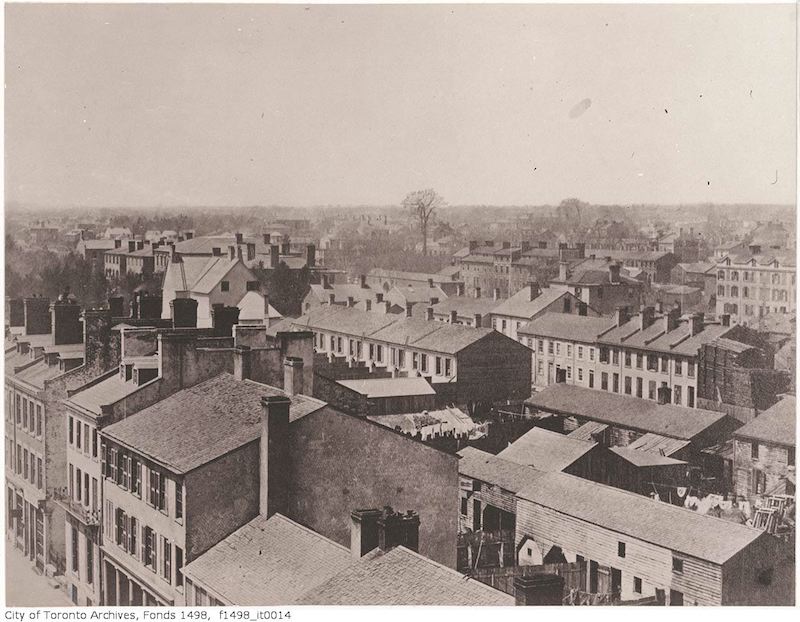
(243, 105)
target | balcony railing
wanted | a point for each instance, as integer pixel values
(86, 515)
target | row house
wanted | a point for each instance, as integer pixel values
(531, 302)
(94, 251)
(752, 284)
(764, 452)
(639, 549)
(57, 350)
(510, 268)
(328, 292)
(135, 257)
(656, 265)
(464, 364)
(466, 310)
(600, 283)
(383, 280)
(154, 365)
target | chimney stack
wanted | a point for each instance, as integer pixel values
(311, 255)
(368, 304)
(38, 320)
(398, 529)
(535, 290)
(231, 252)
(325, 282)
(331, 299)
(66, 321)
(582, 308)
(363, 532)
(242, 362)
(351, 302)
(646, 317)
(116, 305)
(362, 281)
(430, 283)
(429, 314)
(621, 315)
(239, 238)
(671, 319)
(223, 319)
(131, 245)
(613, 273)
(184, 312)
(478, 319)
(454, 317)
(378, 296)
(117, 243)
(562, 271)
(293, 375)
(409, 309)
(697, 323)
(274, 451)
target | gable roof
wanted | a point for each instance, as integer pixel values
(546, 450)
(567, 326)
(644, 458)
(402, 577)
(268, 562)
(201, 423)
(677, 341)
(775, 425)
(625, 411)
(466, 306)
(520, 305)
(483, 466)
(402, 294)
(389, 387)
(663, 524)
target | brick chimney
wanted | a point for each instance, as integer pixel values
(535, 291)
(351, 302)
(184, 312)
(223, 319)
(66, 321)
(478, 319)
(239, 238)
(325, 282)
(583, 308)
(293, 375)
(37, 316)
(274, 452)
(131, 245)
(646, 317)
(429, 314)
(331, 299)
(101, 351)
(539, 589)
(671, 319)
(621, 315)
(363, 532)
(116, 305)
(613, 273)
(16, 312)
(696, 323)
(242, 362)
(362, 281)
(311, 255)
(562, 271)
(139, 245)
(231, 252)
(409, 309)
(398, 529)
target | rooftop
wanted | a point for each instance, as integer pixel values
(775, 425)
(410, 423)
(644, 458)
(268, 562)
(637, 516)
(677, 341)
(567, 326)
(389, 387)
(483, 466)
(102, 393)
(466, 306)
(546, 450)
(402, 577)
(625, 411)
(201, 423)
(520, 304)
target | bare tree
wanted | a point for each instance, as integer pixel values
(421, 204)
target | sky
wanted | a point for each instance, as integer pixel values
(501, 105)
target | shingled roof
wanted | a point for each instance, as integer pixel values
(637, 516)
(402, 577)
(268, 562)
(201, 423)
(483, 466)
(546, 450)
(624, 411)
(775, 425)
(567, 326)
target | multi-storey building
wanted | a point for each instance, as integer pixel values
(384, 280)
(656, 265)
(510, 268)
(752, 284)
(531, 302)
(599, 283)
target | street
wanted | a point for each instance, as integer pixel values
(25, 587)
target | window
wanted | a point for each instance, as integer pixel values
(754, 451)
(178, 501)
(178, 566)
(637, 585)
(615, 356)
(678, 367)
(252, 286)
(464, 506)
(569, 349)
(89, 562)
(25, 465)
(580, 352)
(720, 290)
(690, 397)
(148, 554)
(639, 387)
(95, 441)
(75, 564)
(549, 347)
(652, 362)
(166, 567)
(25, 413)
(628, 385)
(616, 383)
(604, 381)
(39, 483)
(591, 379)
(38, 420)
(225, 286)
(677, 565)
(591, 354)
(78, 429)
(690, 369)
(790, 456)
(424, 362)
(651, 390)
(71, 424)
(627, 359)
(621, 549)
(121, 524)
(156, 491)
(664, 365)
(639, 360)
(678, 394)
(438, 365)
(447, 367)
(132, 529)
(401, 358)
(580, 374)
(569, 372)
(558, 348)
(414, 360)
(136, 477)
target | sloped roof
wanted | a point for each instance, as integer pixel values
(341, 292)
(700, 267)
(215, 271)
(775, 425)
(677, 341)
(389, 387)
(402, 577)
(105, 392)
(663, 524)
(422, 277)
(546, 450)
(655, 443)
(449, 418)
(624, 411)
(402, 294)
(36, 375)
(201, 423)
(251, 307)
(644, 458)
(520, 305)
(567, 326)
(466, 306)
(268, 562)
(587, 430)
(483, 466)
